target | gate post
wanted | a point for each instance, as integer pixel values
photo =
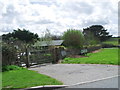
(55, 55)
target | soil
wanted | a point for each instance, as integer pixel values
(95, 51)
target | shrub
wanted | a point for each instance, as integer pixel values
(10, 67)
(107, 45)
(73, 38)
(9, 54)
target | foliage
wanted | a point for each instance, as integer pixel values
(9, 54)
(104, 45)
(73, 38)
(98, 31)
(26, 37)
(26, 78)
(90, 39)
(10, 67)
(55, 37)
(113, 41)
(23, 35)
(47, 37)
(105, 56)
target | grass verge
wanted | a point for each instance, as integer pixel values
(26, 78)
(105, 56)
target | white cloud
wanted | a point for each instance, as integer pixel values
(57, 15)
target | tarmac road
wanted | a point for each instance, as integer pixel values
(71, 74)
(107, 83)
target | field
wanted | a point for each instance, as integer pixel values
(104, 56)
(26, 78)
(113, 41)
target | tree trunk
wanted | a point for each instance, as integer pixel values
(27, 58)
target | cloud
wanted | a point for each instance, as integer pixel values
(9, 15)
(77, 7)
(57, 15)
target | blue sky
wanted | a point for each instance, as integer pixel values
(58, 15)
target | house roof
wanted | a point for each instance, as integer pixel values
(49, 43)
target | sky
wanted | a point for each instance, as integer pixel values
(57, 15)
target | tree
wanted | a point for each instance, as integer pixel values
(48, 37)
(90, 39)
(55, 37)
(25, 36)
(73, 38)
(9, 54)
(98, 31)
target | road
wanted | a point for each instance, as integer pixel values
(71, 74)
(106, 83)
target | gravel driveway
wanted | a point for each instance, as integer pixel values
(71, 74)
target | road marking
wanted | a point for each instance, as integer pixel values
(74, 84)
(94, 80)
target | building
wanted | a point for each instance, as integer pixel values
(49, 43)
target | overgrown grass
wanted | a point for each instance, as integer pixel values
(26, 78)
(105, 56)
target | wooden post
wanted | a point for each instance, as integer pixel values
(27, 57)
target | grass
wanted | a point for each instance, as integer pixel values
(113, 41)
(0, 80)
(26, 78)
(105, 56)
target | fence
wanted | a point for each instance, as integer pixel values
(46, 56)
(52, 55)
(40, 57)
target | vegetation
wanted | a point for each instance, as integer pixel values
(56, 37)
(25, 37)
(113, 41)
(0, 81)
(97, 31)
(10, 67)
(9, 54)
(48, 37)
(105, 56)
(26, 78)
(15, 47)
(73, 38)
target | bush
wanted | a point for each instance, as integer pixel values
(93, 48)
(73, 38)
(9, 54)
(107, 45)
(11, 67)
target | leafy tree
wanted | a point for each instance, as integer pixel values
(73, 38)
(98, 31)
(48, 37)
(90, 39)
(55, 37)
(9, 54)
(9, 51)
(26, 37)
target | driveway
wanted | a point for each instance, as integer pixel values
(71, 74)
